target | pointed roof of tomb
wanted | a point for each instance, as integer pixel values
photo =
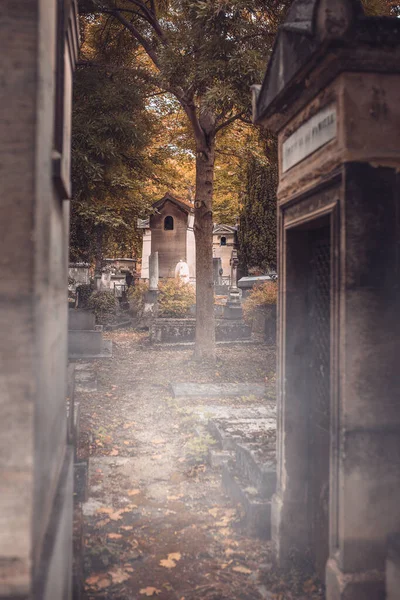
(311, 26)
(184, 205)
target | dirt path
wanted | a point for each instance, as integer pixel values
(156, 522)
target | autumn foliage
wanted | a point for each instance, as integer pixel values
(260, 296)
(174, 299)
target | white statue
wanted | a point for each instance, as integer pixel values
(182, 271)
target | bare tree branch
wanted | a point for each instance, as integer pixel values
(199, 134)
(151, 19)
(140, 38)
(229, 121)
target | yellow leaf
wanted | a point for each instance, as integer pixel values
(170, 562)
(118, 575)
(126, 443)
(103, 583)
(243, 570)
(150, 591)
(175, 556)
(115, 515)
(102, 522)
(93, 579)
(167, 564)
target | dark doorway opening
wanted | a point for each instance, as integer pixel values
(319, 325)
(168, 223)
(307, 387)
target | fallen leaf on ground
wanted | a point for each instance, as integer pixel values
(223, 522)
(127, 425)
(170, 562)
(214, 512)
(93, 579)
(114, 452)
(157, 441)
(156, 457)
(150, 591)
(175, 497)
(133, 492)
(102, 522)
(103, 583)
(126, 527)
(114, 536)
(241, 569)
(126, 443)
(115, 515)
(118, 575)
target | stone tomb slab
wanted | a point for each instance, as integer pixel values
(218, 390)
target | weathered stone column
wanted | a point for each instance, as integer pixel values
(233, 309)
(152, 294)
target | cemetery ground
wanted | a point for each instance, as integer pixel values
(156, 521)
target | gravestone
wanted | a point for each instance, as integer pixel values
(217, 271)
(331, 94)
(150, 307)
(233, 308)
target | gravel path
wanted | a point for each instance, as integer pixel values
(156, 522)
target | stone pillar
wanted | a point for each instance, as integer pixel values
(217, 267)
(146, 251)
(233, 309)
(151, 296)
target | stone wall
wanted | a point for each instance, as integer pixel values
(35, 463)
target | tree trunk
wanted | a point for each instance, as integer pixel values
(99, 250)
(203, 228)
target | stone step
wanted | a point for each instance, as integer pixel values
(88, 345)
(257, 510)
(218, 390)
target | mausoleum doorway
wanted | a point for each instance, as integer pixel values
(308, 335)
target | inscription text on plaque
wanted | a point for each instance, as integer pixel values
(316, 132)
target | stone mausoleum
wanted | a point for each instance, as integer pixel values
(169, 231)
(332, 95)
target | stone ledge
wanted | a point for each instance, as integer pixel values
(257, 510)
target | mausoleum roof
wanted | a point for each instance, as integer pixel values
(312, 28)
(184, 205)
(220, 228)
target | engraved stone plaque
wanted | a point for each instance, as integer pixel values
(309, 137)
